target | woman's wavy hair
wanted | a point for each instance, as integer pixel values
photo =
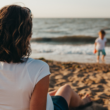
(15, 33)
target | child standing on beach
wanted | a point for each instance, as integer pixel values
(100, 45)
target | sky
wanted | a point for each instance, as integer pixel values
(64, 8)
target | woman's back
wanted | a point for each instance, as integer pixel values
(17, 82)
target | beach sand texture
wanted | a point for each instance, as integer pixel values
(84, 78)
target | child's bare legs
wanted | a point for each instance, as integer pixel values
(103, 56)
(98, 58)
(71, 96)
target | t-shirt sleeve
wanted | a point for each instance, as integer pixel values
(37, 70)
(44, 71)
(96, 40)
(105, 40)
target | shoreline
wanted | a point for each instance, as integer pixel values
(69, 58)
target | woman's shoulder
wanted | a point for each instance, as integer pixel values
(37, 69)
(36, 65)
(36, 62)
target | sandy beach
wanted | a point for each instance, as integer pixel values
(84, 78)
(62, 42)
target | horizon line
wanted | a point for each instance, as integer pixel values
(75, 17)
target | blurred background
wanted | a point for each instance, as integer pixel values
(65, 30)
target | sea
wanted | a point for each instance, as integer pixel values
(67, 39)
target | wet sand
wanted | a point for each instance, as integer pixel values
(84, 78)
(70, 58)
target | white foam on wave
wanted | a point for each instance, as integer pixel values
(64, 49)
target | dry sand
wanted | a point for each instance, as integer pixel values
(84, 78)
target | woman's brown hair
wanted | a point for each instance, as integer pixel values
(15, 32)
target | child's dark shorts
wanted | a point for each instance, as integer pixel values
(101, 51)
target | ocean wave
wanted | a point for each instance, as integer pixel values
(64, 49)
(69, 39)
(69, 27)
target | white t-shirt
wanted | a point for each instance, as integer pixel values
(100, 43)
(17, 82)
